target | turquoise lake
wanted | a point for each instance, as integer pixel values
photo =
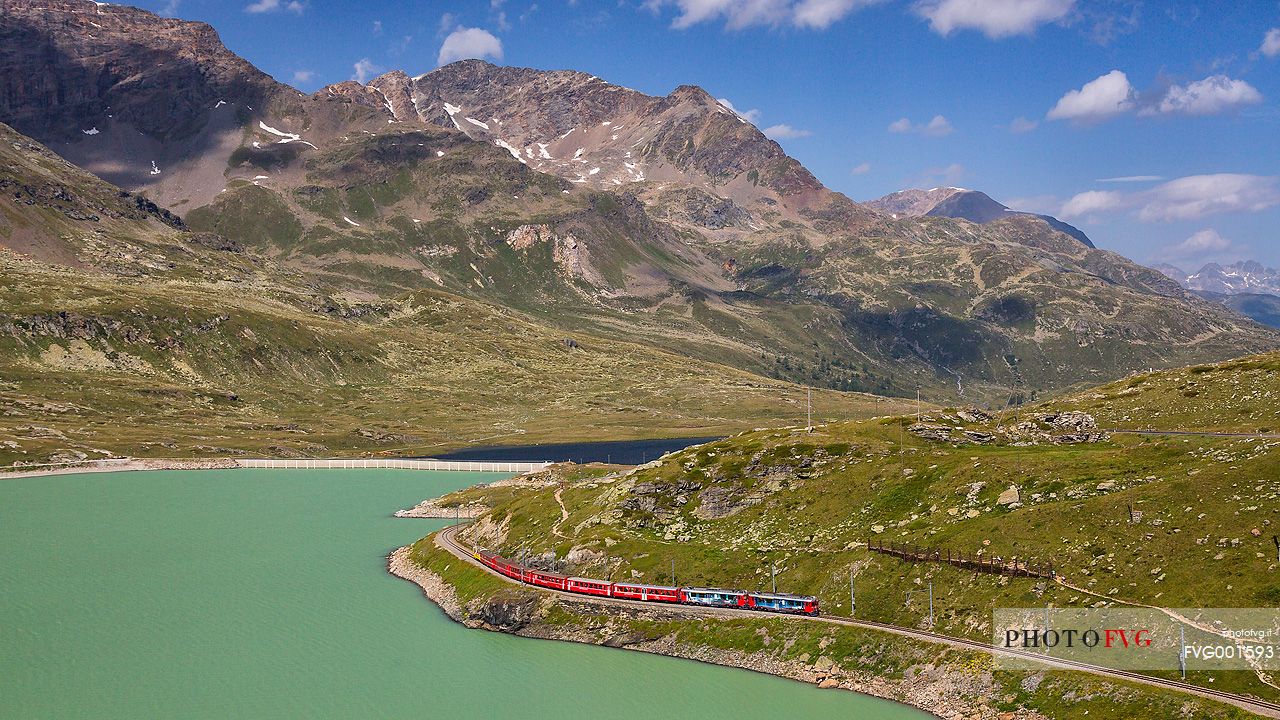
(264, 594)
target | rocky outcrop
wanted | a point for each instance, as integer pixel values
(431, 509)
(1063, 428)
(569, 254)
(510, 611)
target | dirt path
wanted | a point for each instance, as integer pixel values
(564, 515)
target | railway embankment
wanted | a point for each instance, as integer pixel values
(945, 683)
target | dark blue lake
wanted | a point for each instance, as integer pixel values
(625, 452)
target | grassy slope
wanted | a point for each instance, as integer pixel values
(1054, 693)
(170, 365)
(1235, 396)
(935, 303)
(820, 496)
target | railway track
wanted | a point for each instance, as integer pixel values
(445, 539)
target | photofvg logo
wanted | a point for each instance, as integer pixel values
(1108, 638)
(1140, 639)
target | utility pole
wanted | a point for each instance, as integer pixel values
(808, 411)
(1046, 626)
(673, 572)
(853, 601)
(1182, 650)
(1276, 540)
(931, 603)
(773, 573)
(917, 402)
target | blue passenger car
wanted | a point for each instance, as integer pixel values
(714, 597)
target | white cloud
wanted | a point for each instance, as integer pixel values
(780, 131)
(861, 169)
(937, 127)
(821, 14)
(1112, 95)
(265, 6)
(783, 131)
(365, 70)
(752, 116)
(1271, 43)
(377, 27)
(1184, 198)
(303, 76)
(1092, 201)
(170, 8)
(1099, 99)
(738, 14)
(1196, 196)
(1132, 179)
(1210, 96)
(1022, 125)
(464, 43)
(994, 18)
(1205, 242)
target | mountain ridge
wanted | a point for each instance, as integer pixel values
(697, 234)
(1240, 277)
(962, 203)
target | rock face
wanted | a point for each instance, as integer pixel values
(508, 612)
(144, 102)
(570, 123)
(87, 65)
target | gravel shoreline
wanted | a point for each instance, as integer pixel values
(126, 465)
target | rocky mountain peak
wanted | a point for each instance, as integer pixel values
(961, 203)
(692, 93)
(1243, 277)
(592, 132)
(75, 65)
(912, 202)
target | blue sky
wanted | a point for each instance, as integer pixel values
(1040, 103)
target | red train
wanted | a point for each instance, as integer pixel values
(705, 597)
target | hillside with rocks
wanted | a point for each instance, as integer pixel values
(670, 220)
(1168, 521)
(123, 332)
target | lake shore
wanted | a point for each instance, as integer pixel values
(122, 465)
(935, 690)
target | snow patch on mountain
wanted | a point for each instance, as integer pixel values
(1243, 277)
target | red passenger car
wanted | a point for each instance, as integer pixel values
(546, 579)
(587, 586)
(652, 593)
(501, 564)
